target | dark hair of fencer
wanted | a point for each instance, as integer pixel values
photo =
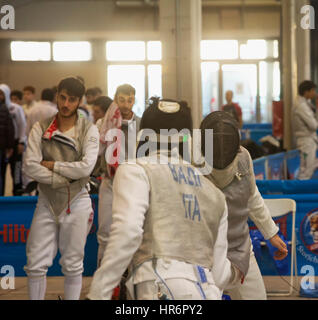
(306, 85)
(93, 91)
(126, 89)
(17, 93)
(73, 87)
(155, 119)
(226, 138)
(103, 102)
(47, 94)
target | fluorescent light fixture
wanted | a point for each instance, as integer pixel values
(30, 51)
(72, 51)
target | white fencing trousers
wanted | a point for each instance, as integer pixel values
(307, 147)
(68, 235)
(253, 287)
(105, 199)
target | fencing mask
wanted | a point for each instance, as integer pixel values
(167, 120)
(226, 138)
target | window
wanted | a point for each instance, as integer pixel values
(219, 49)
(134, 62)
(125, 51)
(30, 51)
(154, 50)
(250, 68)
(253, 49)
(210, 87)
(72, 51)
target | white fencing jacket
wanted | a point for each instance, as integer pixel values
(130, 203)
(71, 170)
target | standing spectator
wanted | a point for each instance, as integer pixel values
(29, 99)
(6, 136)
(92, 94)
(233, 108)
(19, 123)
(17, 97)
(305, 126)
(118, 114)
(100, 106)
(44, 109)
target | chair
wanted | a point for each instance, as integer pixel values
(281, 208)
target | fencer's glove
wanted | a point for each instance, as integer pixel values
(236, 276)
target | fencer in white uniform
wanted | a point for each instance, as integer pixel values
(169, 222)
(60, 156)
(233, 173)
(125, 100)
(305, 125)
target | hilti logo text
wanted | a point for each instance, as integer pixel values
(14, 233)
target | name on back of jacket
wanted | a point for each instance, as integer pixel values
(185, 175)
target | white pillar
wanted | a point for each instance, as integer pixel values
(180, 32)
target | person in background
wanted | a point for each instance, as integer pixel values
(29, 99)
(100, 106)
(305, 125)
(7, 135)
(15, 160)
(17, 97)
(92, 94)
(45, 108)
(233, 108)
(119, 115)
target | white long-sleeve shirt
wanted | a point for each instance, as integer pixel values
(131, 191)
(304, 120)
(62, 170)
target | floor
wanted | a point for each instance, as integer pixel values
(55, 289)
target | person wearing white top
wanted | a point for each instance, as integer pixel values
(60, 156)
(305, 125)
(125, 99)
(43, 109)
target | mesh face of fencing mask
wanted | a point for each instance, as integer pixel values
(226, 138)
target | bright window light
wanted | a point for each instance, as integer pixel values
(72, 51)
(131, 74)
(30, 51)
(125, 50)
(219, 49)
(254, 49)
(276, 49)
(155, 80)
(154, 50)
